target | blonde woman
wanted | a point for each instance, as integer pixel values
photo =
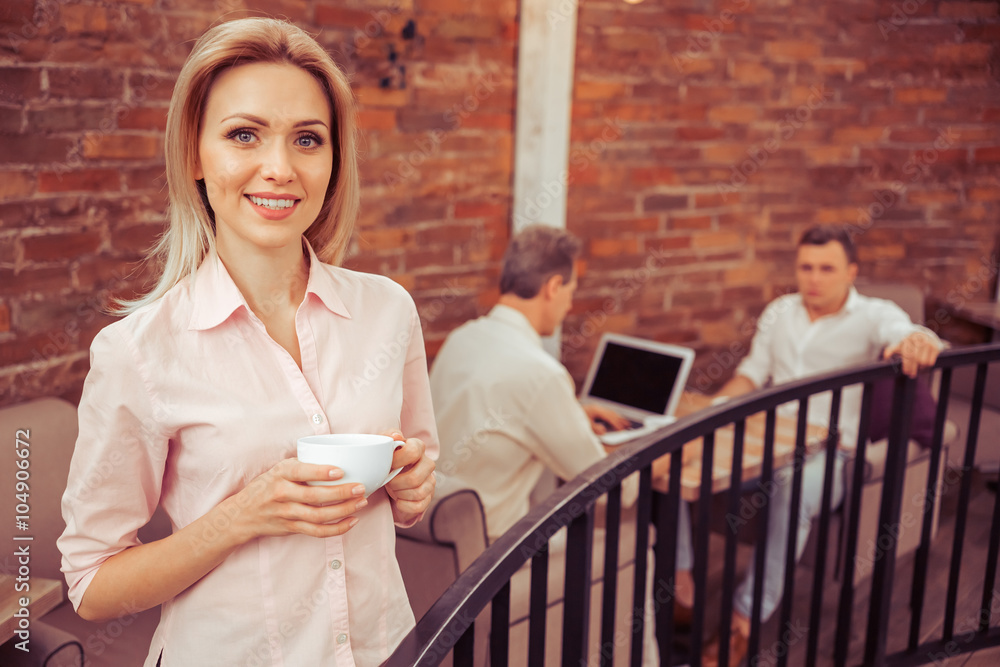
(252, 338)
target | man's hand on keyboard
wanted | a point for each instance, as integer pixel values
(603, 420)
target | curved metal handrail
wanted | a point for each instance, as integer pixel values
(455, 611)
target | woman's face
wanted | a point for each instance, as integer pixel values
(266, 154)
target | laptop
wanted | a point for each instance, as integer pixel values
(639, 379)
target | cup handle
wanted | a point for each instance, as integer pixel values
(388, 478)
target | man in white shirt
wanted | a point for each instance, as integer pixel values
(823, 327)
(506, 409)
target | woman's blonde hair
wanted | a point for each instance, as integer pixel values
(191, 232)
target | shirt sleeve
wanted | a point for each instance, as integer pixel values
(893, 324)
(417, 416)
(758, 365)
(563, 437)
(116, 472)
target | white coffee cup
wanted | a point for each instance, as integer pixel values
(364, 458)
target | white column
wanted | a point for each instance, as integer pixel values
(546, 54)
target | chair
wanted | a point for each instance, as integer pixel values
(911, 300)
(61, 636)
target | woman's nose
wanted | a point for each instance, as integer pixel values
(277, 164)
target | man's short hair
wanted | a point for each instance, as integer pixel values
(823, 234)
(534, 255)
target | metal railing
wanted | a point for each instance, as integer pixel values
(447, 628)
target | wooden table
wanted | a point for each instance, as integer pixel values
(753, 450)
(44, 596)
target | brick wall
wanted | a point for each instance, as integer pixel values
(84, 88)
(708, 135)
(705, 136)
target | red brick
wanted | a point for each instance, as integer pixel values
(733, 113)
(69, 117)
(150, 178)
(599, 90)
(16, 185)
(84, 83)
(920, 95)
(485, 28)
(69, 245)
(336, 15)
(967, 10)
(858, 135)
(374, 96)
(34, 149)
(612, 247)
(690, 222)
(88, 180)
(4, 318)
(34, 281)
(121, 277)
(664, 202)
(141, 118)
(828, 154)
(699, 133)
(121, 146)
(138, 239)
(793, 49)
(652, 176)
(376, 119)
(987, 154)
(84, 19)
(972, 53)
(913, 135)
(748, 72)
(147, 87)
(481, 209)
(19, 84)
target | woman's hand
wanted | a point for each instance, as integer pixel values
(279, 502)
(413, 488)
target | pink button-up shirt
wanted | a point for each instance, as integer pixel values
(188, 399)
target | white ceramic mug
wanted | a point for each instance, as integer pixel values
(364, 458)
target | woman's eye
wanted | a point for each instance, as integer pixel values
(241, 136)
(309, 141)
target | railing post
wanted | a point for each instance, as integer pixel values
(892, 493)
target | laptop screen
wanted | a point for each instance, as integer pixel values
(642, 379)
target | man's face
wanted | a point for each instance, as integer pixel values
(825, 277)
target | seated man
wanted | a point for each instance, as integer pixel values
(506, 409)
(823, 327)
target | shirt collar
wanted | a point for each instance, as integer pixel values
(216, 296)
(515, 319)
(849, 306)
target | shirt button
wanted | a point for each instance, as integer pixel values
(335, 564)
(341, 638)
(317, 418)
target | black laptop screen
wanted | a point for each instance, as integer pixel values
(641, 379)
